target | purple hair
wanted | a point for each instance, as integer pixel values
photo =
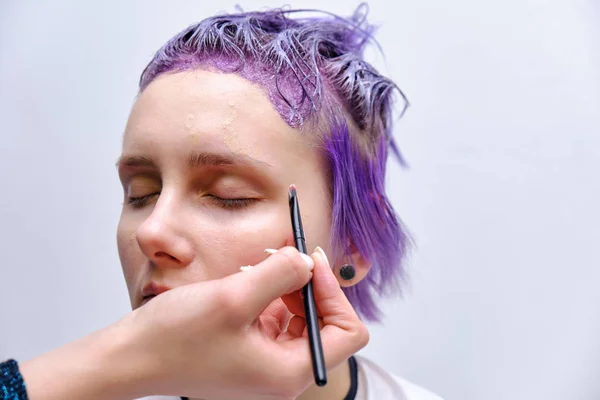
(314, 71)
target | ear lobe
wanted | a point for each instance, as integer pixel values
(361, 267)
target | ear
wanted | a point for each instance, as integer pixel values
(360, 264)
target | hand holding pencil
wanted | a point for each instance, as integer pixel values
(242, 336)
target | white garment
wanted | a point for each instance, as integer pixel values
(374, 383)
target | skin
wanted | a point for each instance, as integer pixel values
(217, 339)
(185, 223)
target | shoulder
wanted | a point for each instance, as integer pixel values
(375, 383)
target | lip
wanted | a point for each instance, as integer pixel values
(151, 290)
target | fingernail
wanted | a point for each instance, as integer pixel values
(270, 251)
(246, 268)
(320, 250)
(309, 261)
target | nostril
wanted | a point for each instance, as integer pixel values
(161, 254)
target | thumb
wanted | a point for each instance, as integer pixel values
(285, 271)
(343, 333)
(333, 305)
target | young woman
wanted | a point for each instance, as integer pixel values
(231, 111)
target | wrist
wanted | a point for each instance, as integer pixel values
(122, 362)
(134, 369)
(102, 365)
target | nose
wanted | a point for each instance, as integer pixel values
(162, 237)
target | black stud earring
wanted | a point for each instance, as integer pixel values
(347, 272)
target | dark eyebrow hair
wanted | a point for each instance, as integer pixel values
(199, 159)
(134, 161)
(196, 159)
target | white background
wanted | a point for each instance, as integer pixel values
(503, 139)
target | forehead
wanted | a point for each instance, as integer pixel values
(201, 91)
(204, 108)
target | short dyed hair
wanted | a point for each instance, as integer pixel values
(317, 79)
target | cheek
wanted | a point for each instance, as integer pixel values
(241, 241)
(316, 216)
(317, 229)
(129, 252)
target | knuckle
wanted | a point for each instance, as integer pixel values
(288, 252)
(293, 259)
(221, 300)
(230, 303)
(362, 335)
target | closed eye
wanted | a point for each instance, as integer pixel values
(141, 201)
(228, 203)
(232, 203)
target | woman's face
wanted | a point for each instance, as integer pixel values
(205, 168)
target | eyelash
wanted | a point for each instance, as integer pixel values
(139, 202)
(232, 203)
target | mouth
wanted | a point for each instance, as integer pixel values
(151, 290)
(146, 299)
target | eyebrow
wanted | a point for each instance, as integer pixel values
(196, 159)
(134, 161)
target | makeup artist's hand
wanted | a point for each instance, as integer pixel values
(227, 338)
(223, 339)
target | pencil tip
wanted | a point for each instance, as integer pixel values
(292, 191)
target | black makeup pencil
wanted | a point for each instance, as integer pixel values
(310, 308)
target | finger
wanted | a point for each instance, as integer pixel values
(338, 344)
(331, 301)
(294, 303)
(293, 300)
(343, 333)
(274, 319)
(296, 326)
(283, 272)
(321, 326)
